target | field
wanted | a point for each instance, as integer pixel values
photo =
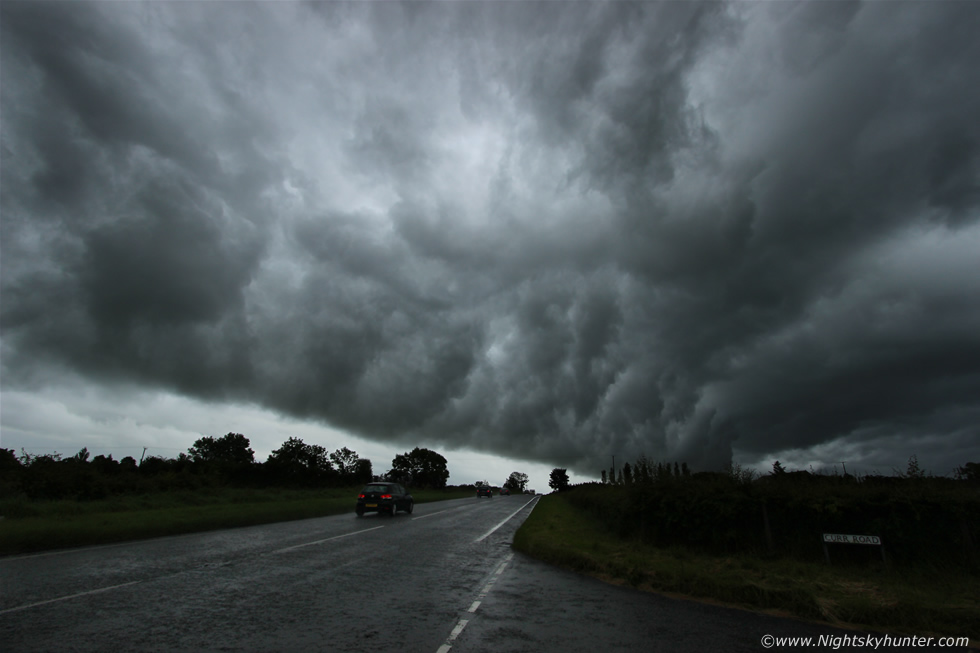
(928, 598)
(30, 526)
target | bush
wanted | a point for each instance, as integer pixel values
(919, 520)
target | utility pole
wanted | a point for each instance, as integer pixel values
(845, 468)
(141, 457)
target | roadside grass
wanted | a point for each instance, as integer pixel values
(33, 526)
(917, 601)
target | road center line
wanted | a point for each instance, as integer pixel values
(452, 636)
(329, 539)
(431, 514)
(445, 648)
(489, 532)
(66, 598)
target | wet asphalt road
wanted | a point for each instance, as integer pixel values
(442, 579)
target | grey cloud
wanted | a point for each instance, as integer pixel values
(551, 231)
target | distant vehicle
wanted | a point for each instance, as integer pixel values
(384, 497)
(484, 491)
(504, 492)
(530, 491)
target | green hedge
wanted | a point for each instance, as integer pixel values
(918, 521)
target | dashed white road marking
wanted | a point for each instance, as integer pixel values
(445, 648)
(431, 514)
(452, 636)
(71, 596)
(336, 537)
(113, 587)
(490, 532)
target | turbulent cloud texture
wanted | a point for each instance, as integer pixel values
(552, 231)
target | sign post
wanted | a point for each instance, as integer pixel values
(833, 538)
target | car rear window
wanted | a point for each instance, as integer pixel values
(376, 488)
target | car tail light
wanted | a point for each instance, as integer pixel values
(360, 496)
(385, 496)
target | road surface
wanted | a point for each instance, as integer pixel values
(443, 579)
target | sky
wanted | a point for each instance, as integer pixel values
(526, 235)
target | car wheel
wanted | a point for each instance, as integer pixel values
(411, 507)
(360, 512)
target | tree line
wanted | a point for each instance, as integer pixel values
(210, 462)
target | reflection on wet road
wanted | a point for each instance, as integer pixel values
(338, 583)
(442, 580)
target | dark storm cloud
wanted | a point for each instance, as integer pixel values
(551, 231)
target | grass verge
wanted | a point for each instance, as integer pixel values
(910, 601)
(30, 527)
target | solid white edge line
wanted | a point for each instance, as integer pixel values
(66, 598)
(336, 537)
(489, 532)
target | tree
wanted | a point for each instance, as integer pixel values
(969, 472)
(363, 472)
(297, 461)
(777, 469)
(9, 462)
(349, 467)
(516, 482)
(559, 479)
(627, 474)
(913, 470)
(420, 468)
(232, 448)
(11, 470)
(739, 474)
(643, 470)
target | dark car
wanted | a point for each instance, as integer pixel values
(484, 491)
(384, 497)
(504, 492)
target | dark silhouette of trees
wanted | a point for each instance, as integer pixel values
(363, 471)
(296, 462)
(969, 472)
(421, 468)
(516, 482)
(229, 449)
(8, 461)
(351, 469)
(559, 480)
(11, 471)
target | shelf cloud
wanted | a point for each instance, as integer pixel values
(554, 232)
